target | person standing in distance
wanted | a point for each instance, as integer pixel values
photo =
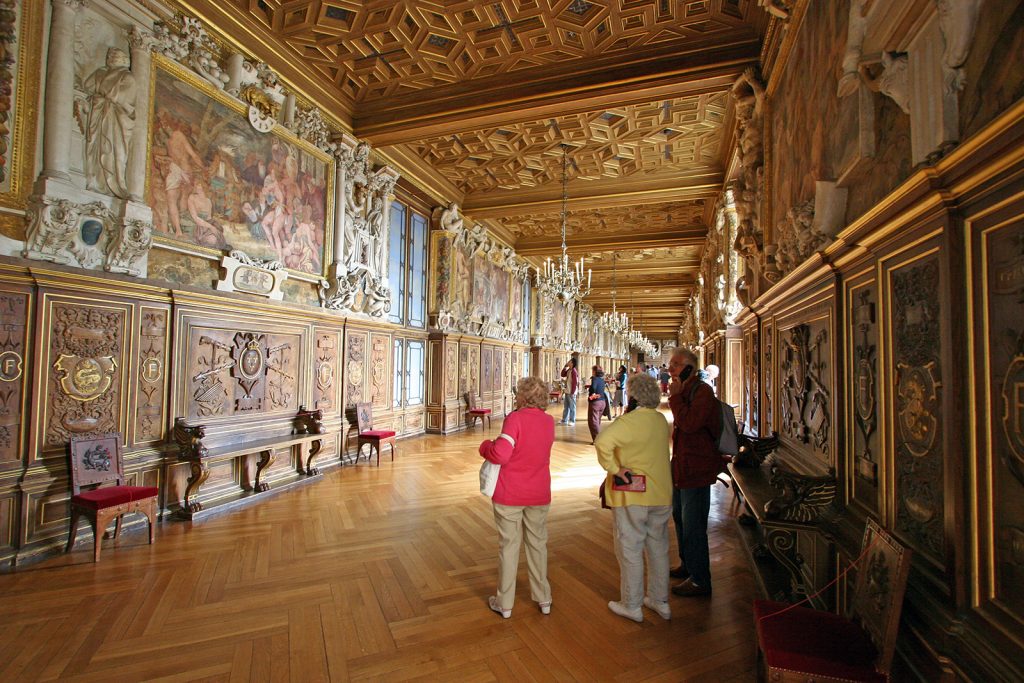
(572, 385)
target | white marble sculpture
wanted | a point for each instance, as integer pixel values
(108, 120)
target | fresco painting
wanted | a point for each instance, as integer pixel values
(490, 289)
(217, 183)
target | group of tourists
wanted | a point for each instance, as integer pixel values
(644, 485)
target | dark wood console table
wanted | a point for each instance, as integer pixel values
(307, 429)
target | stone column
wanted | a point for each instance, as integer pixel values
(141, 44)
(60, 89)
(342, 160)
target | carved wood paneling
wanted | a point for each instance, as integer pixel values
(451, 371)
(487, 356)
(863, 439)
(465, 383)
(84, 365)
(327, 371)
(916, 404)
(806, 364)
(251, 371)
(356, 367)
(14, 311)
(152, 374)
(768, 377)
(656, 217)
(380, 371)
(474, 369)
(997, 281)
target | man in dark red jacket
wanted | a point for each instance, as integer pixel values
(696, 464)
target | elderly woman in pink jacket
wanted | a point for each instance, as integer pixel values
(522, 495)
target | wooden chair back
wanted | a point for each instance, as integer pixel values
(364, 416)
(470, 400)
(878, 591)
(95, 460)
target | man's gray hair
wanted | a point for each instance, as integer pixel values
(683, 352)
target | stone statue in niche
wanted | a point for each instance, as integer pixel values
(107, 119)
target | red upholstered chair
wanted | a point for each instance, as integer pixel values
(96, 459)
(800, 644)
(371, 436)
(475, 413)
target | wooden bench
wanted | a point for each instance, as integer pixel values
(783, 505)
(308, 429)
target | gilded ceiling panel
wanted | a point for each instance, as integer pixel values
(382, 48)
(614, 143)
(662, 255)
(607, 221)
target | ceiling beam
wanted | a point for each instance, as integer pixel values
(674, 186)
(663, 71)
(587, 243)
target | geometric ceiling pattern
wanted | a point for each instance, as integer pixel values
(662, 256)
(374, 49)
(616, 219)
(622, 142)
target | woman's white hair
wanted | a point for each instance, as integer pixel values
(645, 390)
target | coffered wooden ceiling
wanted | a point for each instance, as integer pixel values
(475, 101)
(610, 143)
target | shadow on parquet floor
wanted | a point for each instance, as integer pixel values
(372, 574)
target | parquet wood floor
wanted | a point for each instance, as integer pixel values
(372, 574)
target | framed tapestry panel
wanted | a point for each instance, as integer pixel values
(216, 184)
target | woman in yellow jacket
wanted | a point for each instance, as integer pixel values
(638, 443)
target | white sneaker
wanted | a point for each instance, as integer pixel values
(492, 602)
(545, 607)
(571, 424)
(662, 609)
(562, 422)
(636, 615)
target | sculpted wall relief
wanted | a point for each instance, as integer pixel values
(14, 307)
(327, 372)
(84, 366)
(152, 374)
(917, 397)
(380, 375)
(805, 391)
(355, 367)
(248, 372)
(863, 379)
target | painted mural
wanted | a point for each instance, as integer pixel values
(462, 279)
(216, 183)
(995, 66)
(490, 289)
(516, 301)
(559, 318)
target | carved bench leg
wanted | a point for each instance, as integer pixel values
(266, 460)
(200, 473)
(782, 543)
(314, 448)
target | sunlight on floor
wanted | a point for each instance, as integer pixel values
(581, 477)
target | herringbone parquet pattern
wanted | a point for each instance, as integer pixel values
(372, 574)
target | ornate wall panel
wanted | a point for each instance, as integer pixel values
(914, 305)
(153, 368)
(996, 263)
(242, 370)
(451, 371)
(84, 370)
(356, 367)
(464, 373)
(486, 369)
(862, 439)
(380, 371)
(767, 370)
(14, 318)
(327, 371)
(473, 368)
(806, 364)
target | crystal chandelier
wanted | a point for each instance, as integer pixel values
(561, 278)
(613, 320)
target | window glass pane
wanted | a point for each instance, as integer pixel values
(418, 270)
(396, 262)
(399, 367)
(415, 379)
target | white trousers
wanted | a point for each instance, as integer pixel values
(511, 521)
(637, 528)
